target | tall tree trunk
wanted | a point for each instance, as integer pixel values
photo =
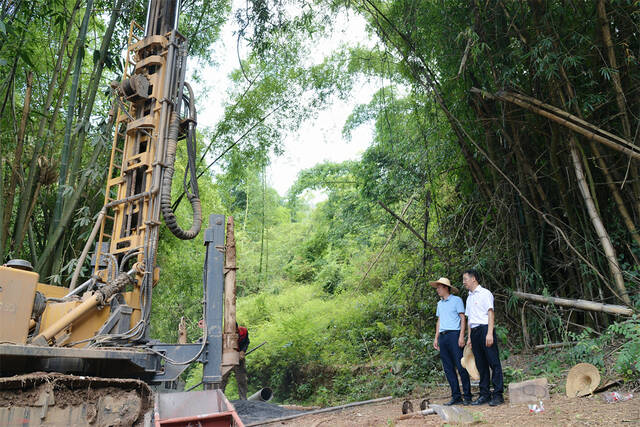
(613, 64)
(264, 189)
(92, 90)
(66, 145)
(427, 206)
(617, 196)
(605, 241)
(14, 68)
(2, 200)
(620, 100)
(52, 241)
(17, 161)
(27, 196)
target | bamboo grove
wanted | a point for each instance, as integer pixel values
(541, 99)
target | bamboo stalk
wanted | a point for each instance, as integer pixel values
(613, 63)
(598, 225)
(553, 345)
(17, 161)
(66, 145)
(567, 120)
(577, 303)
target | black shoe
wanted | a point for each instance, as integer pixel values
(497, 400)
(466, 402)
(453, 402)
(480, 401)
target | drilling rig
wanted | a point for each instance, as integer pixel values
(82, 354)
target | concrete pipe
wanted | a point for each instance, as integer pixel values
(262, 395)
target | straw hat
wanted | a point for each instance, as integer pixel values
(582, 380)
(444, 281)
(468, 362)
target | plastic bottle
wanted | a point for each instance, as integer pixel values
(614, 396)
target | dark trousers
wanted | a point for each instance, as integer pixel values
(450, 354)
(487, 358)
(241, 378)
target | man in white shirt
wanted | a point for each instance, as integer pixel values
(482, 339)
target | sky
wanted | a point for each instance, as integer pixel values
(319, 139)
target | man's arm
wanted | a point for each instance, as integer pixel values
(463, 325)
(489, 339)
(435, 340)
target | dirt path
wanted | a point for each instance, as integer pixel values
(559, 411)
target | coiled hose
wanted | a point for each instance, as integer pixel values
(165, 198)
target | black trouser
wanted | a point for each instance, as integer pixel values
(487, 357)
(241, 378)
(450, 354)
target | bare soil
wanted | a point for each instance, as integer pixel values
(559, 411)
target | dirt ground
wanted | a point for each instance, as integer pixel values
(559, 411)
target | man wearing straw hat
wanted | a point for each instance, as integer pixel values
(449, 339)
(482, 339)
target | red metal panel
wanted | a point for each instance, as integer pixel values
(204, 408)
(220, 419)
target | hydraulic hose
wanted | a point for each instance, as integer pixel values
(165, 190)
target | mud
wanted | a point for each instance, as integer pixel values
(89, 400)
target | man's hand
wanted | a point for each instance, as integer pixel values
(241, 354)
(469, 341)
(489, 340)
(435, 343)
(461, 342)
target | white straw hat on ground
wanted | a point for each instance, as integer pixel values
(582, 380)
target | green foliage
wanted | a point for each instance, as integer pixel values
(615, 352)
(628, 357)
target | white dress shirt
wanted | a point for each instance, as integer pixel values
(479, 303)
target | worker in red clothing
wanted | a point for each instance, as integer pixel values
(241, 368)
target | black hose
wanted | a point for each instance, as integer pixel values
(165, 198)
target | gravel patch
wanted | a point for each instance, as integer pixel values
(251, 411)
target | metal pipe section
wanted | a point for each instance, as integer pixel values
(98, 297)
(87, 246)
(262, 395)
(214, 285)
(146, 21)
(177, 13)
(79, 289)
(319, 411)
(230, 355)
(43, 338)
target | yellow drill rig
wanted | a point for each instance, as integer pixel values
(82, 355)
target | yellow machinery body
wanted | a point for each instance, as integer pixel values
(17, 290)
(95, 336)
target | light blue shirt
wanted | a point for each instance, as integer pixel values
(449, 313)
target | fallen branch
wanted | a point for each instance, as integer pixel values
(576, 124)
(553, 345)
(577, 303)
